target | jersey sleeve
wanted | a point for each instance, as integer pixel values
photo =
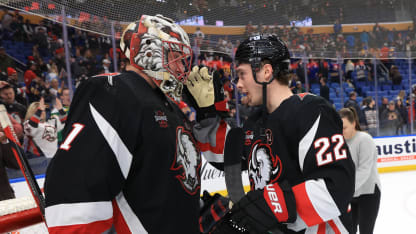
(210, 134)
(326, 164)
(366, 161)
(91, 165)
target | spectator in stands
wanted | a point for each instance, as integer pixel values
(28, 29)
(54, 89)
(40, 38)
(383, 106)
(16, 27)
(313, 71)
(15, 109)
(19, 90)
(323, 68)
(65, 100)
(324, 89)
(334, 71)
(349, 69)
(390, 120)
(299, 88)
(395, 75)
(8, 160)
(361, 69)
(352, 102)
(106, 67)
(364, 39)
(30, 74)
(402, 129)
(370, 113)
(42, 133)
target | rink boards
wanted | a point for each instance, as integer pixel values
(394, 154)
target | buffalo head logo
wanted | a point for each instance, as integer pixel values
(264, 168)
(187, 160)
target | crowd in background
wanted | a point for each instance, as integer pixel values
(45, 78)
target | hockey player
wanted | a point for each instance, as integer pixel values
(300, 170)
(129, 158)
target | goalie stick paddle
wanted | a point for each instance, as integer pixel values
(21, 159)
(233, 153)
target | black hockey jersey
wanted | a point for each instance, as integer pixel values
(128, 158)
(302, 142)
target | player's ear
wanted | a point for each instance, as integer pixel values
(268, 72)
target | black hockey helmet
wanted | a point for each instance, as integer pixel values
(256, 49)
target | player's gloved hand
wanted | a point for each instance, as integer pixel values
(213, 210)
(263, 210)
(206, 93)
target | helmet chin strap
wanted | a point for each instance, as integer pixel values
(264, 114)
(264, 108)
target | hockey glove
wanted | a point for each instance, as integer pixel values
(213, 210)
(263, 210)
(206, 93)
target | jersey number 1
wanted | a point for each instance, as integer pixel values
(77, 128)
(322, 156)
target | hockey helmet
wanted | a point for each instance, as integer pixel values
(259, 48)
(148, 42)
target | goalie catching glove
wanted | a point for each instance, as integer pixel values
(261, 211)
(206, 93)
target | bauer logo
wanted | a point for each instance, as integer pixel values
(274, 199)
(161, 118)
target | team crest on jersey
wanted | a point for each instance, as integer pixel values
(161, 118)
(249, 137)
(264, 168)
(49, 134)
(187, 161)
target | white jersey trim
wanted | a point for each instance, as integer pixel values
(213, 157)
(298, 225)
(123, 155)
(129, 216)
(340, 226)
(78, 213)
(306, 142)
(321, 199)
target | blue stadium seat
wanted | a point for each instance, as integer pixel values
(334, 85)
(338, 106)
(397, 87)
(315, 86)
(386, 87)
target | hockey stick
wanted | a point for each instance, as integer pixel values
(233, 153)
(21, 159)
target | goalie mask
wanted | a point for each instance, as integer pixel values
(161, 49)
